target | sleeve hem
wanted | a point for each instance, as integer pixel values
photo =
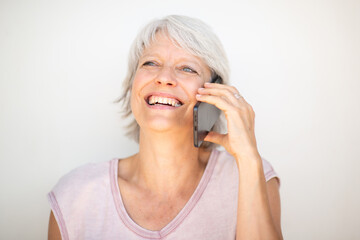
(58, 215)
(271, 175)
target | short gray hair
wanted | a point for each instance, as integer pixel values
(188, 33)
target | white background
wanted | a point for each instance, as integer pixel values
(296, 62)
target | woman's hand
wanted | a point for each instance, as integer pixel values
(240, 140)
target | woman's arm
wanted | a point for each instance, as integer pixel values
(273, 193)
(54, 231)
(258, 213)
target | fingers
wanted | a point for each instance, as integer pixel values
(225, 93)
(231, 89)
(219, 102)
(229, 93)
(216, 138)
(221, 86)
(224, 97)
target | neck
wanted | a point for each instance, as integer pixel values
(168, 162)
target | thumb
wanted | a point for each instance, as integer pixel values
(215, 137)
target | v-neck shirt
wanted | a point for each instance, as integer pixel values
(87, 204)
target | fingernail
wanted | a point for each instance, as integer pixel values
(207, 83)
(201, 89)
(198, 95)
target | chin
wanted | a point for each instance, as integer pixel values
(163, 125)
(160, 125)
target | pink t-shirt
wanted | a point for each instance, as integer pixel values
(87, 204)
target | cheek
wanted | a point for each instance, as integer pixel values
(136, 82)
(137, 85)
(193, 87)
(141, 79)
(139, 82)
(135, 93)
(134, 98)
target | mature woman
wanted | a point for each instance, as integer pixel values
(171, 189)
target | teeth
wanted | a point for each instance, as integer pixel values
(163, 100)
(151, 100)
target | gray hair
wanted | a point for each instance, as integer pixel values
(188, 33)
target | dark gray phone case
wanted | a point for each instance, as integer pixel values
(205, 116)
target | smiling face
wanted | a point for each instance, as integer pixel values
(165, 85)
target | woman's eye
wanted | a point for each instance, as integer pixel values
(188, 69)
(149, 63)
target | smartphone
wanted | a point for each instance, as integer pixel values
(205, 115)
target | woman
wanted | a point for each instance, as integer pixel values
(170, 189)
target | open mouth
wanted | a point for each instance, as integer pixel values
(165, 101)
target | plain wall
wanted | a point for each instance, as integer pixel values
(296, 62)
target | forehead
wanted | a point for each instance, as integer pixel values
(164, 46)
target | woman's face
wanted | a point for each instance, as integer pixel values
(165, 85)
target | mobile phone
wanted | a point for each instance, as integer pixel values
(205, 115)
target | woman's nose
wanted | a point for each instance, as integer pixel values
(166, 77)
